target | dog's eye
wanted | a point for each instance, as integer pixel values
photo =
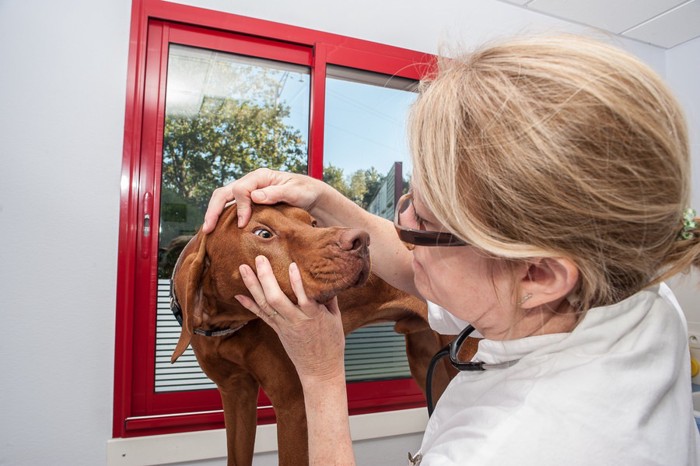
(263, 233)
(313, 223)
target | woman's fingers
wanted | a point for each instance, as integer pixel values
(261, 286)
(260, 186)
(272, 294)
(297, 285)
(267, 293)
(269, 300)
(253, 307)
(219, 198)
(309, 307)
(240, 191)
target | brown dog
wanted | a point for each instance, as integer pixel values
(240, 353)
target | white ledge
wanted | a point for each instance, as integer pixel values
(211, 444)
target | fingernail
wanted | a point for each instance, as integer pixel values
(260, 260)
(293, 268)
(243, 269)
(259, 195)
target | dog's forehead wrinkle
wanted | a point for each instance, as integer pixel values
(298, 213)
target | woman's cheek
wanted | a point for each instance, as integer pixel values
(421, 280)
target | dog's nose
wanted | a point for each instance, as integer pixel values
(353, 240)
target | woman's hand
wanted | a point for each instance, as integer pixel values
(312, 333)
(262, 186)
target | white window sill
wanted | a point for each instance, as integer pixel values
(211, 444)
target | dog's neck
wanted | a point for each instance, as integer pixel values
(214, 324)
(219, 325)
(219, 315)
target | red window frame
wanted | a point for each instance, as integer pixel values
(138, 410)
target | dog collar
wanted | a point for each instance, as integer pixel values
(217, 333)
(175, 305)
(177, 312)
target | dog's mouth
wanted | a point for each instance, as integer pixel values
(343, 262)
(363, 275)
(324, 287)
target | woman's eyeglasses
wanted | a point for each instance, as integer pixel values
(410, 227)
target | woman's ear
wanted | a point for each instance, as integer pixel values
(547, 280)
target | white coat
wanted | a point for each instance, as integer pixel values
(615, 391)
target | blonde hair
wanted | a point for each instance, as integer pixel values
(558, 147)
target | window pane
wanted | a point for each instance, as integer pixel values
(366, 158)
(225, 115)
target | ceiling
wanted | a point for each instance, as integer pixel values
(664, 23)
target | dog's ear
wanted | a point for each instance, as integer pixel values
(192, 270)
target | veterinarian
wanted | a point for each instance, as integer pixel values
(548, 203)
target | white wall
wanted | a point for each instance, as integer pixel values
(63, 72)
(62, 99)
(683, 75)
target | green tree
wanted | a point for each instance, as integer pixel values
(373, 181)
(335, 177)
(361, 186)
(358, 187)
(226, 139)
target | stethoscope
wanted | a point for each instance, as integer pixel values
(452, 350)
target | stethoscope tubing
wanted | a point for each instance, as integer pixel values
(452, 350)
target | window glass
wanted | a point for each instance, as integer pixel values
(366, 158)
(225, 115)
